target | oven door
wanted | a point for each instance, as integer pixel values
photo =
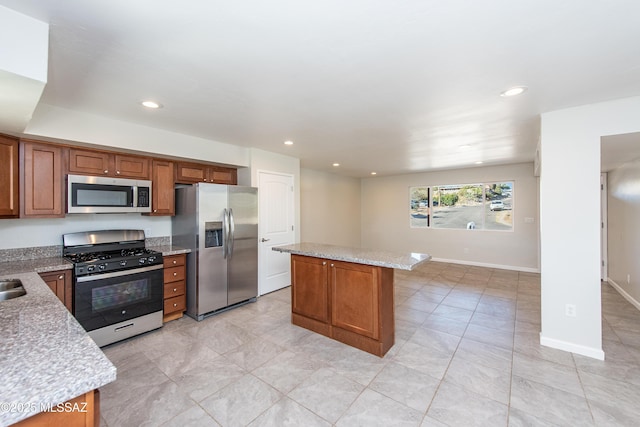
(109, 298)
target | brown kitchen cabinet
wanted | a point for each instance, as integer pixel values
(103, 163)
(162, 193)
(61, 284)
(81, 411)
(175, 285)
(349, 302)
(192, 173)
(9, 177)
(41, 180)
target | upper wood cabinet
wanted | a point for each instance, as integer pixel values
(162, 193)
(9, 177)
(42, 180)
(102, 163)
(191, 173)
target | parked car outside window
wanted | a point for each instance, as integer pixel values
(496, 205)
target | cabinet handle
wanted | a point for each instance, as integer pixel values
(175, 261)
(175, 274)
(117, 172)
(61, 277)
(331, 265)
(324, 262)
(155, 210)
(106, 171)
(205, 180)
(175, 290)
(175, 305)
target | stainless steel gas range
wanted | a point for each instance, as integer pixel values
(117, 283)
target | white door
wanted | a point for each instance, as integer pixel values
(275, 227)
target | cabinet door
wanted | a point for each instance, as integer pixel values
(310, 290)
(131, 167)
(221, 175)
(162, 194)
(191, 173)
(355, 298)
(89, 162)
(60, 283)
(42, 189)
(9, 177)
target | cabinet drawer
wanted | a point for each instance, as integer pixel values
(173, 289)
(174, 260)
(174, 304)
(173, 274)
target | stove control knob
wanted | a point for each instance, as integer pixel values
(123, 263)
(102, 266)
(91, 268)
(152, 258)
(142, 260)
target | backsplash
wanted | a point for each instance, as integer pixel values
(38, 252)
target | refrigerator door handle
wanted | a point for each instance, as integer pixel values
(232, 232)
(225, 231)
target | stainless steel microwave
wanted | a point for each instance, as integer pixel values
(98, 194)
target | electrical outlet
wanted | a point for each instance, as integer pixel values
(570, 310)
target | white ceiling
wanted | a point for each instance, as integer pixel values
(376, 85)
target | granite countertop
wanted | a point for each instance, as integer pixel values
(399, 260)
(169, 249)
(41, 265)
(47, 357)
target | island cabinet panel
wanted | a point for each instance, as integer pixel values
(9, 178)
(355, 298)
(349, 302)
(310, 293)
(42, 180)
(82, 411)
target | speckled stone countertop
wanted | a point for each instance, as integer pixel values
(169, 249)
(41, 265)
(46, 357)
(401, 261)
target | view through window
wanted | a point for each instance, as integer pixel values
(483, 206)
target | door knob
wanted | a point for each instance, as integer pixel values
(264, 240)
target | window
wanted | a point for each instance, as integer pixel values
(482, 206)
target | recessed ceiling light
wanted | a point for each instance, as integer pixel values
(151, 104)
(335, 165)
(374, 173)
(464, 147)
(288, 143)
(479, 162)
(514, 91)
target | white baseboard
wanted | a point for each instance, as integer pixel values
(484, 264)
(595, 353)
(624, 293)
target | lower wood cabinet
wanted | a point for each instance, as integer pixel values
(61, 284)
(82, 411)
(175, 285)
(349, 302)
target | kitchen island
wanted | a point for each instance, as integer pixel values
(346, 293)
(50, 367)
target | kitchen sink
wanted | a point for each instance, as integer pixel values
(10, 289)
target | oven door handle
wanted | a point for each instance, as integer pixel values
(118, 273)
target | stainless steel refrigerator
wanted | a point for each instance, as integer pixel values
(219, 223)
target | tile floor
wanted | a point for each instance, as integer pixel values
(466, 353)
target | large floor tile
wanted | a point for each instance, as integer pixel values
(485, 381)
(405, 385)
(544, 372)
(287, 413)
(288, 370)
(241, 402)
(373, 409)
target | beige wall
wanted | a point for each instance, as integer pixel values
(330, 207)
(385, 219)
(623, 213)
